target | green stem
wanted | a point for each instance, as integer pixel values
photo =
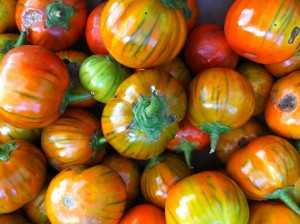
(283, 195)
(10, 44)
(73, 97)
(98, 143)
(59, 14)
(157, 159)
(5, 150)
(178, 4)
(150, 114)
(214, 130)
(187, 148)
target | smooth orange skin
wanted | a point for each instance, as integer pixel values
(285, 67)
(262, 34)
(206, 47)
(129, 171)
(55, 38)
(142, 34)
(206, 197)
(66, 141)
(41, 78)
(158, 179)
(22, 176)
(76, 58)
(237, 138)
(13, 217)
(143, 214)
(266, 164)
(7, 16)
(268, 212)
(261, 81)
(284, 122)
(92, 31)
(220, 95)
(86, 195)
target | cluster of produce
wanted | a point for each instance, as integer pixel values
(103, 113)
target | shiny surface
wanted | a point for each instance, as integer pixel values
(142, 34)
(238, 138)
(206, 197)
(86, 195)
(220, 95)
(263, 34)
(66, 141)
(285, 67)
(159, 178)
(41, 78)
(261, 81)
(272, 213)
(284, 118)
(267, 163)
(55, 38)
(129, 171)
(118, 114)
(21, 177)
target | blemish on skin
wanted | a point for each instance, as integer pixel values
(294, 34)
(31, 18)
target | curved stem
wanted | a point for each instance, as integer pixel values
(285, 197)
(157, 159)
(97, 143)
(214, 130)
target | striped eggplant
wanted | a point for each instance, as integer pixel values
(23, 169)
(34, 87)
(73, 139)
(86, 195)
(160, 175)
(206, 197)
(143, 34)
(102, 74)
(265, 34)
(219, 99)
(267, 168)
(144, 114)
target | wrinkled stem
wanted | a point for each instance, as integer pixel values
(5, 150)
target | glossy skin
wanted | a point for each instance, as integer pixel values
(261, 81)
(152, 135)
(218, 199)
(160, 175)
(42, 79)
(266, 164)
(285, 67)
(147, 40)
(7, 16)
(54, 37)
(282, 108)
(187, 139)
(13, 217)
(222, 95)
(238, 138)
(273, 213)
(130, 173)
(102, 75)
(9, 132)
(74, 59)
(73, 140)
(86, 195)
(143, 214)
(92, 30)
(206, 47)
(21, 176)
(178, 68)
(265, 34)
